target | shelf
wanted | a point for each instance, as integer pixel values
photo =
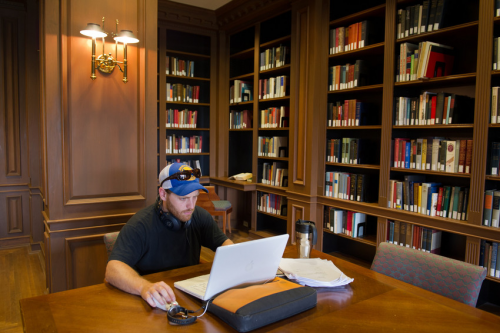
(188, 154)
(186, 129)
(241, 185)
(273, 215)
(273, 158)
(369, 239)
(359, 166)
(429, 172)
(242, 77)
(493, 278)
(444, 32)
(241, 130)
(196, 55)
(277, 70)
(494, 125)
(373, 49)
(274, 129)
(275, 42)
(458, 79)
(377, 11)
(367, 127)
(494, 178)
(272, 189)
(374, 87)
(241, 103)
(274, 99)
(205, 180)
(184, 103)
(248, 53)
(434, 126)
(187, 77)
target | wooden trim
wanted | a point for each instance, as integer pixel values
(182, 14)
(472, 251)
(298, 212)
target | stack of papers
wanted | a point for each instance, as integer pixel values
(314, 272)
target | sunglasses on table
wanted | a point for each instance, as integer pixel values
(183, 175)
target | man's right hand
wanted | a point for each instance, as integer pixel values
(160, 291)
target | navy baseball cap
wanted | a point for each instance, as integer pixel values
(179, 187)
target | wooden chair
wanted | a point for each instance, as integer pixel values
(448, 277)
(215, 206)
(109, 241)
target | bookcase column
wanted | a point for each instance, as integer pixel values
(482, 111)
(307, 109)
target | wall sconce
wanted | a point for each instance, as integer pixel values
(105, 62)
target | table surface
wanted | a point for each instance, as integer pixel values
(373, 302)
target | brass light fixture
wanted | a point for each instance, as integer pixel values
(105, 62)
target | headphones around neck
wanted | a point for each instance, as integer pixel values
(170, 220)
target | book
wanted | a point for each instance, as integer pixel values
(488, 205)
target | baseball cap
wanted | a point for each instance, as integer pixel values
(179, 187)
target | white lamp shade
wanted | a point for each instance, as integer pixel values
(93, 30)
(126, 37)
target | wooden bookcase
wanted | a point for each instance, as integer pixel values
(198, 46)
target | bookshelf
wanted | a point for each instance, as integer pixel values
(470, 32)
(188, 61)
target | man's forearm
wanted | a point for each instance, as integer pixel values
(124, 277)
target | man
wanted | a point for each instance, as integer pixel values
(166, 235)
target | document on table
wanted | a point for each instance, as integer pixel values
(314, 272)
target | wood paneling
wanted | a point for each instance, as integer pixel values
(86, 260)
(14, 209)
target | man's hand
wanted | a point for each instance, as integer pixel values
(160, 291)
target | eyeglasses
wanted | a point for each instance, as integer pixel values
(183, 175)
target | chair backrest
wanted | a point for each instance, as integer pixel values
(448, 277)
(109, 241)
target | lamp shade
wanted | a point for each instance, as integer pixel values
(93, 30)
(126, 37)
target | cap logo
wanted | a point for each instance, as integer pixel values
(187, 167)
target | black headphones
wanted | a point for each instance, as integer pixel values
(170, 220)
(180, 316)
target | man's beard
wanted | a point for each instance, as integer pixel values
(178, 215)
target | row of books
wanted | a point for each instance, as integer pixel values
(418, 19)
(273, 87)
(495, 106)
(433, 109)
(273, 57)
(275, 174)
(240, 119)
(347, 39)
(496, 53)
(428, 198)
(176, 66)
(414, 236)
(241, 91)
(347, 76)
(349, 113)
(271, 203)
(184, 144)
(347, 150)
(177, 92)
(275, 117)
(425, 60)
(345, 222)
(491, 210)
(276, 146)
(346, 186)
(181, 119)
(195, 164)
(435, 154)
(489, 258)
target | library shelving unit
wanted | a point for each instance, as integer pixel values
(367, 130)
(469, 30)
(185, 47)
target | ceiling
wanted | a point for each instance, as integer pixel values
(207, 4)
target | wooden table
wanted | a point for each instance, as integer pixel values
(373, 302)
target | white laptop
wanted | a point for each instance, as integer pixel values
(238, 265)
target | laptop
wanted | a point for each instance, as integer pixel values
(238, 265)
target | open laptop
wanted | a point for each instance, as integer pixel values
(238, 265)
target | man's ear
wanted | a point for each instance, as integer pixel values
(162, 193)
